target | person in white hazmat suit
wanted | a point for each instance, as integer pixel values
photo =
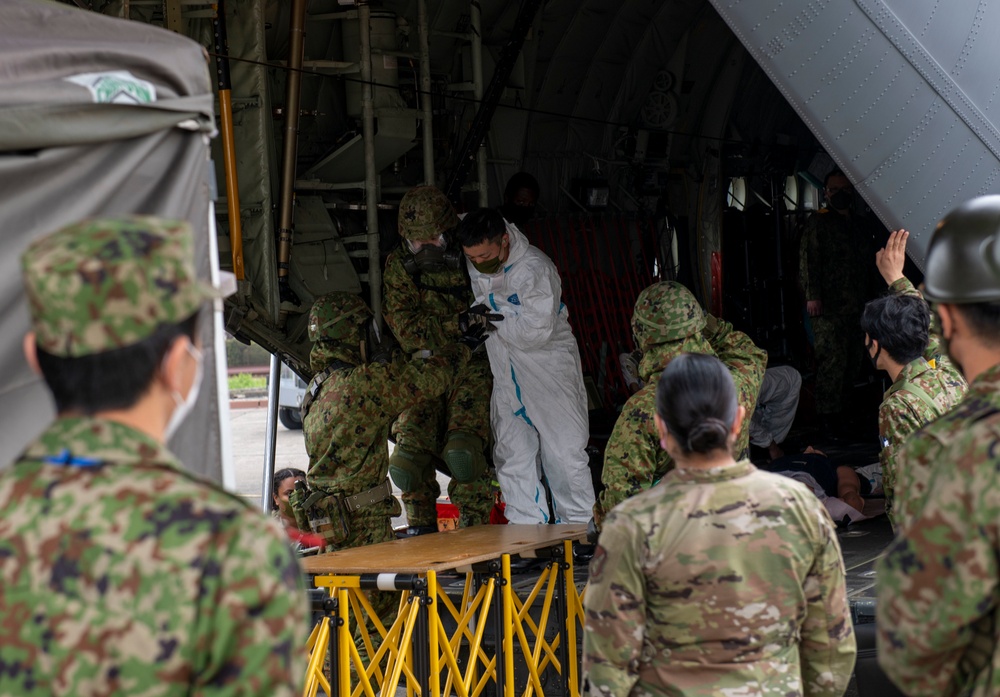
(538, 408)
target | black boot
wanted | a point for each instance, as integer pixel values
(415, 530)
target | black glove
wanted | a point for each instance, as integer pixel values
(474, 337)
(592, 532)
(478, 315)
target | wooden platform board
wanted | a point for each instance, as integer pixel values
(443, 551)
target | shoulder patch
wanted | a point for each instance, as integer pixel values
(597, 563)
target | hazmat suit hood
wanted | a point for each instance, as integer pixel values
(518, 247)
(518, 243)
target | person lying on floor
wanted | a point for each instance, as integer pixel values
(842, 488)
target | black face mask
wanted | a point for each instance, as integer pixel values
(841, 200)
(878, 352)
(519, 215)
(432, 259)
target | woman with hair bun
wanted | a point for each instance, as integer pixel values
(722, 579)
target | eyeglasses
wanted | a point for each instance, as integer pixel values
(415, 246)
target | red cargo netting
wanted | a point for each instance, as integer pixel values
(605, 261)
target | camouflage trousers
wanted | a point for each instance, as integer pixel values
(424, 429)
(839, 346)
(473, 499)
(369, 526)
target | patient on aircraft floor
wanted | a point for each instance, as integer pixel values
(850, 494)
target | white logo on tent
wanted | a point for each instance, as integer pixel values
(116, 87)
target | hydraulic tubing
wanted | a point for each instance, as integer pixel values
(289, 150)
(270, 434)
(228, 141)
(368, 134)
(491, 97)
(425, 89)
(476, 25)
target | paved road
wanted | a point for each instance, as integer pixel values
(248, 432)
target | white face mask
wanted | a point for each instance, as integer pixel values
(184, 406)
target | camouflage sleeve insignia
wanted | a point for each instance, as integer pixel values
(597, 564)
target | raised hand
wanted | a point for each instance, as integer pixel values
(891, 258)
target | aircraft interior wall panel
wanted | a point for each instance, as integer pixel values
(904, 96)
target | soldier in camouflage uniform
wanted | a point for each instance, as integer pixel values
(350, 403)
(937, 583)
(668, 321)
(835, 271)
(925, 383)
(723, 580)
(426, 293)
(120, 573)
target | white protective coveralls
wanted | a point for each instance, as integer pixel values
(539, 404)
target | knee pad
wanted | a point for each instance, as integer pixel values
(408, 469)
(463, 453)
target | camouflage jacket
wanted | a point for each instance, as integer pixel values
(347, 426)
(938, 581)
(633, 458)
(124, 575)
(835, 262)
(424, 316)
(715, 581)
(920, 394)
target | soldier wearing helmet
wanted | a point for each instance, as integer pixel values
(351, 401)
(937, 605)
(666, 322)
(426, 304)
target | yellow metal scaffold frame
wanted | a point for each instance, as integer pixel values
(416, 649)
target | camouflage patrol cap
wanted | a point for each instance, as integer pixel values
(963, 257)
(336, 317)
(103, 284)
(425, 213)
(666, 312)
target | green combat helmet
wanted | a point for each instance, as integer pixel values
(105, 284)
(335, 323)
(666, 312)
(425, 217)
(963, 258)
(425, 214)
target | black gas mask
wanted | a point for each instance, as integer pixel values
(519, 215)
(431, 256)
(377, 344)
(841, 200)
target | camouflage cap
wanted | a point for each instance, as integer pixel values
(336, 317)
(425, 213)
(666, 312)
(103, 284)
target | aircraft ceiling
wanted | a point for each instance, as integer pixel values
(592, 68)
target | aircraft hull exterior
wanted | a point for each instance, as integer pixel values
(900, 94)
